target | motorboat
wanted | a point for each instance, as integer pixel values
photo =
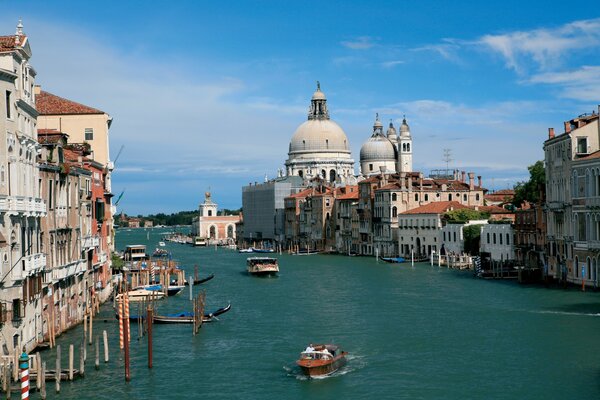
(393, 259)
(142, 294)
(321, 360)
(262, 266)
(161, 244)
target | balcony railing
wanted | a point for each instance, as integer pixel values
(30, 265)
(90, 242)
(68, 270)
(22, 205)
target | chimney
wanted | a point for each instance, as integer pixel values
(382, 169)
(471, 181)
(402, 180)
(410, 183)
(550, 133)
(567, 126)
(479, 180)
(420, 181)
(464, 176)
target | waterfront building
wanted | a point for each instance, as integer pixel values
(22, 257)
(212, 226)
(292, 217)
(264, 208)
(420, 229)
(320, 147)
(85, 125)
(133, 223)
(148, 224)
(500, 197)
(569, 159)
(346, 214)
(530, 236)
(453, 239)
(66, 234)
(497, 240)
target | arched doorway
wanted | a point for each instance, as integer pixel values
(332, 175)
(230, 231)
(418, 246)
(212, 232)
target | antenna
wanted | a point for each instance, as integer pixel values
(447, 158)
(119, 153)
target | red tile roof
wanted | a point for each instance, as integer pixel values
(7, 43)
(301, 194)
(595, 154)
(437, 207)
(494, 210)
(50, 104)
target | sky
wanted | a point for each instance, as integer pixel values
(207, 95)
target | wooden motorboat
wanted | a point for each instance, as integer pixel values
(262, 266)
(174, 289)
(321, 360)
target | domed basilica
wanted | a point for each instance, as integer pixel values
(320, 148)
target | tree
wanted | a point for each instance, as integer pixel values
(530, 190)
(472, 235)
(464, 215)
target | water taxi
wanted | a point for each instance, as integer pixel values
(321, 359)
(262, 266)
(142, 295)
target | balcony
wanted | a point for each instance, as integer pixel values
(90, 242)
(30, 206)
(68, 270)
(592, 201)
(594, 244)
(30, 265)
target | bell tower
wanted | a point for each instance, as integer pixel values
(208, 208)
(404, 148)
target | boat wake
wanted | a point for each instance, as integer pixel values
(580, 314)
(354, 363)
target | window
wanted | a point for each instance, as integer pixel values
(416, 196)
(582, 145)
(394, 197)
(50, 194)
(89, 134)
(8, 105)
(16, 309)
(394, 212)
(408, 147)
(370, 167)
(210, 213)
(426, 197)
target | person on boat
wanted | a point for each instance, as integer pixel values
(326, 352)
(309, 349)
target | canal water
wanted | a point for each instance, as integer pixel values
(412, 333)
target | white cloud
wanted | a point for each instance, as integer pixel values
(545, 46)
(448, 49)
(580, 84)
(360, 43)
(391, 64)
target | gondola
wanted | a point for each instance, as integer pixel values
(393, 259)
(188, 317)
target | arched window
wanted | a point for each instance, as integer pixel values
(213, 232)
(394, 196)
(449, 196)
(507, 238)
(488, 237)
(500, 237)
(210, 213)
(300, 173)
(394, 211)
(323, 174)
(230, 231)
(403, 146)
(465, 197)
(426, 197)
(416, 196)
(408, 147)
(494, 238)
(332, 175)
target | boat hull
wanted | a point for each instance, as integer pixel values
(264, 272)
(315, 368)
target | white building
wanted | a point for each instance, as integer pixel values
(453, 238)
(22, 257)
(420, 229)
(319, 147)
(388, 153)
(209, 225)
(498, 241)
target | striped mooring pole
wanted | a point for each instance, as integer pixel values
(24, 366)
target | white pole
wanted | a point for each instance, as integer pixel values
(412, 257)
(432, 253)
(439, 259)
(191, 283)
(377, 254)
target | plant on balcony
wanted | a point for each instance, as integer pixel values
(65, 168)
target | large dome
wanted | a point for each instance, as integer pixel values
(377, 148)
(319, 136)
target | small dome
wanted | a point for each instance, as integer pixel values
(377, 148)
(404, 129)
(318, 95)
(391, 130)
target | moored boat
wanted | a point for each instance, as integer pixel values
(393, 259)
(188, 317)
(262, 266)
(321, 360)
(142, 295)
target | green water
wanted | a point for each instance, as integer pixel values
(413, 333)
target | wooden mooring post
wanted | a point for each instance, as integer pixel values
(97, 362)
(43, 388)
(150, 319)
(71, 356)
(105, 337)
(126, 343)
(58, 368)
(82, 357)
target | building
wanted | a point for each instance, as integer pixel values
(571, 178)
(388, 153)
(209, 225)
(453, 238)
(500, 197)
(148, 224)
(497, 240)
(133, 223)
(419, 229)
(530, 236)
(264, 208)
(22, 257)
(319, 147)
(85, 125)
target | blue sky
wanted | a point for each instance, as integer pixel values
(207, 95)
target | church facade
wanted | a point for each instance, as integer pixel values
(217, 229)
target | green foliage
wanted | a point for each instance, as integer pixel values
(117, 262)
(179, 218)
(472, 235)
(530, 190)
(464, 215)
(227, 211)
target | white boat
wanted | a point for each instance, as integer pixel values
(161, 244)
(142, 295)
(262, 266)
